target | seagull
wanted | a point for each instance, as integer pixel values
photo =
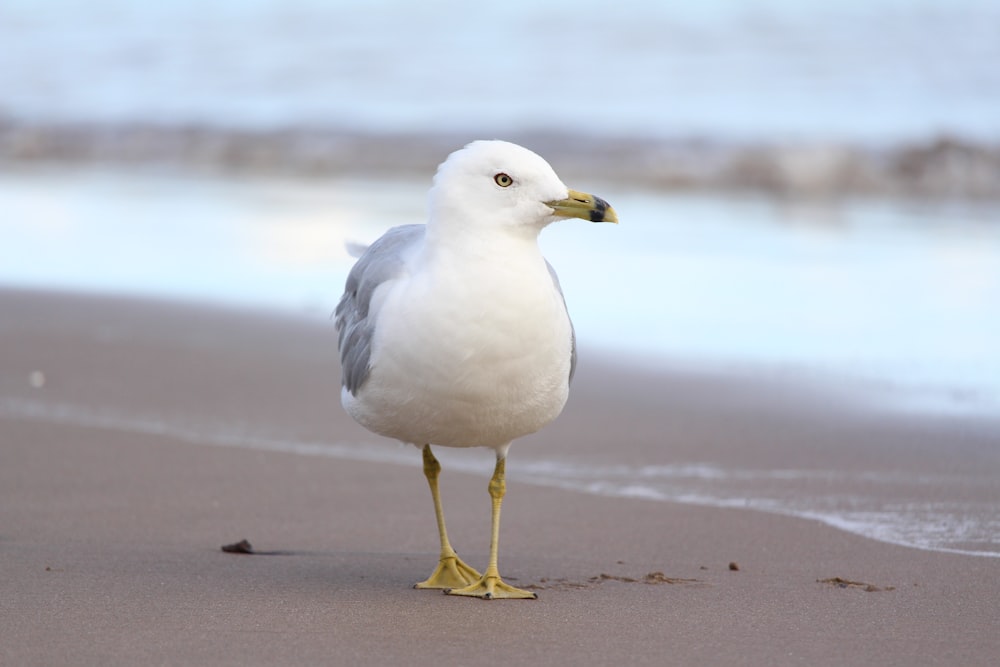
(455, 333)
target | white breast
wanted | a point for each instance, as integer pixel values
(467, 354)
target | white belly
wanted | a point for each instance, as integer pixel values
(465, 366)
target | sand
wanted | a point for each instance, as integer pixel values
(111, 526)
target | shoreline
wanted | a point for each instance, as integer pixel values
(111, 538)
(844, 435)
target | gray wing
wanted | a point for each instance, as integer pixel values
(572, 331)
(382, 261)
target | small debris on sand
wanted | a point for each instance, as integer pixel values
(660, 578)
(556, 584)
(650, 578)
(734, 566)
(241, 547)
(847, 583)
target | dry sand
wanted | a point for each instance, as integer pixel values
(110, 536)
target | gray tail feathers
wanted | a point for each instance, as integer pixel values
(355, 248)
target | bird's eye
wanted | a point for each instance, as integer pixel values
(503, 180)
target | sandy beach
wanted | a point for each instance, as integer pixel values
(115, 499)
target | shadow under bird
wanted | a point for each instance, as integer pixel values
(456, 333)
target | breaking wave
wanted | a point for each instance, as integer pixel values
(939, 167)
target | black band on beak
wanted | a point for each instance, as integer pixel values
(597, 213)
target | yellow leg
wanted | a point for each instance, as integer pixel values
(451, 572)
(490, 585)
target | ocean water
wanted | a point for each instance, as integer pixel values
(901, 295)
(875, 70)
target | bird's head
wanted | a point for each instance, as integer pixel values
(498, 183)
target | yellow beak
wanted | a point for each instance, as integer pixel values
(584, 206)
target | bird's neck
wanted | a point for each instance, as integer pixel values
(462, 244)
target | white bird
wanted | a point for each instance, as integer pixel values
(456, 333)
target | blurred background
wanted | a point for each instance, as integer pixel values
(804, 188)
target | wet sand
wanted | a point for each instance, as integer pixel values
(110, 534)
